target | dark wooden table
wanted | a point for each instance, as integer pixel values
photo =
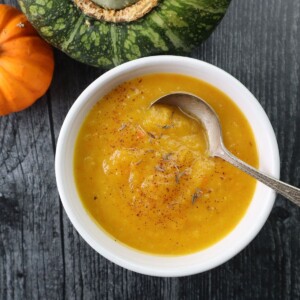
(43, 257)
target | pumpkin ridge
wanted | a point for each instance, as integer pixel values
(176, 41)
(3, 109)
(43, 61)
(19, 43)
(11, 75)
(8, 14)
(66, 44)
(26, 82)
(33, 35)
(13, 23)
(14, 102)
(30, 40)
(7, 96)
(204, 7)
(114, 38)
(17, 19)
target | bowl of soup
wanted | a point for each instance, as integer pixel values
(137, 182)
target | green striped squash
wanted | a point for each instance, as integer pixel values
(172, 27)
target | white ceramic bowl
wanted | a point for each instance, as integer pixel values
(201, 261)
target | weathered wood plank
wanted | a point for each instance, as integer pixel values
(42, 256)
(30, 240)
(31, 265)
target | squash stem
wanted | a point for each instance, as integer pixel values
(114, 4)
(130, 13)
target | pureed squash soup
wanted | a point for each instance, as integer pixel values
(144, 174)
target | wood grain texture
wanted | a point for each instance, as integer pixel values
(43, 257)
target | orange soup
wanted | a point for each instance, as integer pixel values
(144, 174)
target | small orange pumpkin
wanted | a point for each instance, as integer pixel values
(26, 62)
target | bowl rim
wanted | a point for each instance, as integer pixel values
(83, 99)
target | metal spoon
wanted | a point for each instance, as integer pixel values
(195, 107)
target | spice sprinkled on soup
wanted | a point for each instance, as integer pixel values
(144, 174)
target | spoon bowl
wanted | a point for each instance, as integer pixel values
(195, 107)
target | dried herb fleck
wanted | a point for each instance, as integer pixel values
(166, 156)
(167, 126)
(198, 193)
(151, 135)
(123, 126)
(149, 151)
(178, 175)
(159, 168)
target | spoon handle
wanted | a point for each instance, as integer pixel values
(290, 192)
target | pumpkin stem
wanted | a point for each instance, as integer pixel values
(127, 14)
(114, 4)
